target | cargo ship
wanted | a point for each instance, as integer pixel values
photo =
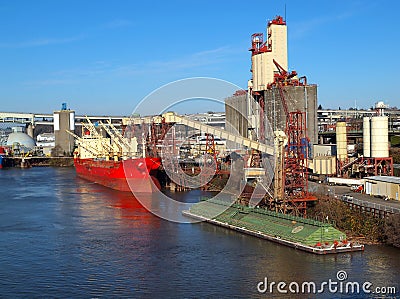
(132, 173)
(115, 161)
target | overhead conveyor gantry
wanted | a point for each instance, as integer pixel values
(251, 144)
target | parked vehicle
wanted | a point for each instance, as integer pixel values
(347, 198)
(357, 189)
(343, 181)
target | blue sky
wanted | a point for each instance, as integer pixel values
(103, 57)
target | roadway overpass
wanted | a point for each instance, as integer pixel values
(47, 119)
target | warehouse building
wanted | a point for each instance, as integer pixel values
(384, 186)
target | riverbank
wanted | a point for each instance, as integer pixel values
(38, 161)
(357, 226)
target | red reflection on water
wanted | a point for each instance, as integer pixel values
(127, 207)
(127, 202)
(124, 205)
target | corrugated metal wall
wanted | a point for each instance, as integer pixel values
(379, 188)
(303, 98)
(236, 116)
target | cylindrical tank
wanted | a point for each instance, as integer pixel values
(262, 67)
(341, 141)
(379, 137)
(366, 137)
(29, 130)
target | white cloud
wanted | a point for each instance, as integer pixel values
(40, 42)
(301, 29)
(191, 61)
(194, 60)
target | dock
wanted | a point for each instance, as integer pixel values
(26, 162)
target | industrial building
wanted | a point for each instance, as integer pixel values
(374, 159)
(301, 98)
(236, 115)
(261, 110)
(278, 108)
(327, 119)
(383, 186)
(279, 100)
(64, 120)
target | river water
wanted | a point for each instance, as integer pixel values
(64, 237)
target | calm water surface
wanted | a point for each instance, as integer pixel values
(64, 237)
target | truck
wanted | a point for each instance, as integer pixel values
(344, 182)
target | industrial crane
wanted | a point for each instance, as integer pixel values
(294, 166)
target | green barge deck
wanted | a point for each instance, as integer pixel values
(301, 233)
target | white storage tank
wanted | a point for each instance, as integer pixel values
(341, 141)
(22, 139)
(366, 137)
(379, 137)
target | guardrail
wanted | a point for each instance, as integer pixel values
(366, 204)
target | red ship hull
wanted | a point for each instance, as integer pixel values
(135, 174)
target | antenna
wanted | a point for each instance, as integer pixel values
(285, 13)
